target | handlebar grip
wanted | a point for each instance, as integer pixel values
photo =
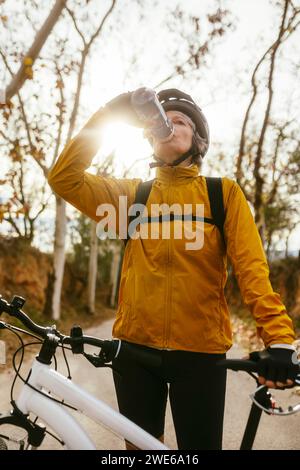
(238, 364)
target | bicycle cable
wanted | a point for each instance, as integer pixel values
(13, 329)
(55, 437)
(16, 328)
(65, 358)
(20, 364)
(17, 369)
(25, 381)
(22, 348)
(50, 433)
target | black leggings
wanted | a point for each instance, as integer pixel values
(196, 392)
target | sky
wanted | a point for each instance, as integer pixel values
(222, 90)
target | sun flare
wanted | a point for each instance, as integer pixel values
(127, 142)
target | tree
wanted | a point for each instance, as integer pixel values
(62, 69)
(22, 209)
(60, 231)
(25, 70)
(252, 153)
(104, 170)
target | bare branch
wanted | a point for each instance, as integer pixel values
(27, 128)
(11, 221)
(113, 4)
(257, 162)
(60, 117)
(84, 54)
(127, 171)
(5, 137)
(32, 147)
(77, 95)
(279, 40)
(75, 25)
(40, 39)
(43, 207)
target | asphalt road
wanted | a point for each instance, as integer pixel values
(273, 433)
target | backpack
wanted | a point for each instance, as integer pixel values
(215, 193)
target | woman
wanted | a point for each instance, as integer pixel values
(171, 299)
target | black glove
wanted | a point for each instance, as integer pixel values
(120, 108)
(276, 364)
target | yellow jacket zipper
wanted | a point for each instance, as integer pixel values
(169, 291)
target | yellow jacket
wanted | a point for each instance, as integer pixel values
(171, 297)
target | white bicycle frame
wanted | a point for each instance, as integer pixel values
(59, 419)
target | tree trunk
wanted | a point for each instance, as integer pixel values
(268, 247)
(93, 263)
(115, 273)
(60, 229)
(33, 53)
(287, 245)
(59, 255)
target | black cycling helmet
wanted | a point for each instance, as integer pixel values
(176, 100)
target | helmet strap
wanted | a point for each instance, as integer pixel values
(192, 152)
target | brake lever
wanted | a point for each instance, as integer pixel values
(96, 360)
(106, 355)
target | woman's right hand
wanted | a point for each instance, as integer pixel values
(120, 107)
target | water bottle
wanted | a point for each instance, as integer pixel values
(149, 109)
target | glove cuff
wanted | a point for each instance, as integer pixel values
(283, 346)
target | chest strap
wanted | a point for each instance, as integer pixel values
(215, 194)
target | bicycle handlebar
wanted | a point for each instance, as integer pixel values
(239, 364)
(14, 309)
(110, 348)
(246, 365)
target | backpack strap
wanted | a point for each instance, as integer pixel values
(141, 197)
(215, 194)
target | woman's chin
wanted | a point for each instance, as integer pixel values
(169, 155)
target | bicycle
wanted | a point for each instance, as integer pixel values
(43, 382)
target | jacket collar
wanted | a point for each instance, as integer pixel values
(176, 174)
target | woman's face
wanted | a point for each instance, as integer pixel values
(180, 142)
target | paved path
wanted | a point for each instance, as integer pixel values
(274, 432)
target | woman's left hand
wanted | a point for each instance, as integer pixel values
(276, 367)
